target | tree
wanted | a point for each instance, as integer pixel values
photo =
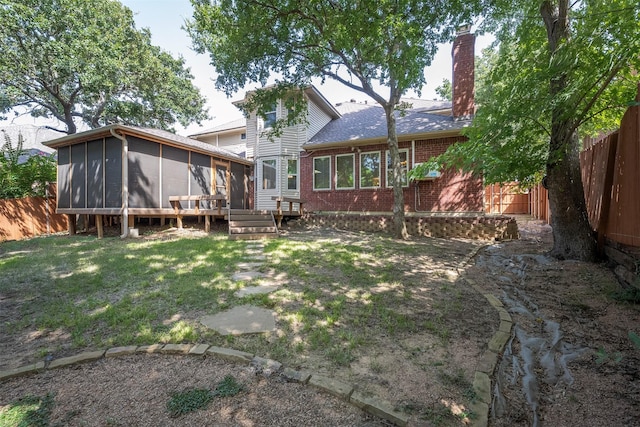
(85, 61)
(23, 177)
(445, 91)
(561, 69)
(360, 44)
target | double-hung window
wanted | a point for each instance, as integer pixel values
(269, 174)
(292, 174)
(370, 170)
(345, 171)
(322, 173)
(269, 116)
(404, 163)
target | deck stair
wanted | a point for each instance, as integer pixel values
(251, 225)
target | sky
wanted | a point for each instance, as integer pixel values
(165, 19)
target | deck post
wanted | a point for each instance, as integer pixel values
(100, 226)
(207, 223)
(72, 224)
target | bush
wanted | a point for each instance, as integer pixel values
(24, 178)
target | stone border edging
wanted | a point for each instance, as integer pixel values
(489, 360)
(368, 403)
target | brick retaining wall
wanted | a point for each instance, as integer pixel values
(467, 226)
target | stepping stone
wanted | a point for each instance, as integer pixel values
(247, 276)
(260, 257)
(248, 265)
(256, 290)
(245, 319)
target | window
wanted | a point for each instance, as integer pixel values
(370, 170)
(322, 173)
(345, 168)
(269, 174)
(269, 116)
(404, 161)
(292, 174)
(243, 135)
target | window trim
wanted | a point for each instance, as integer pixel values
(266, 122)
(296, 174)
(353, 171)
(314, 173)
(387, 155)
(275, 168)
(379, 170)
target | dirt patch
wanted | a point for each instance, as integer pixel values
(571, 360)
(135, 391)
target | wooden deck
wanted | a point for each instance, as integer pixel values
(279, 213)
(243, 224)
(179, 211)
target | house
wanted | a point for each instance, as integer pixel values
(339, 160)
(130, 171)
(33, 138)
(231, 136)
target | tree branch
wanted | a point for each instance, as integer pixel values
(581, 117)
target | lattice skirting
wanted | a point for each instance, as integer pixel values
(468, 226)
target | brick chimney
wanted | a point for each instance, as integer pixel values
(463, 73)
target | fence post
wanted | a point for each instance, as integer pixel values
(603, 221)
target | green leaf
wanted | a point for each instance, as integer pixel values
(80, 61)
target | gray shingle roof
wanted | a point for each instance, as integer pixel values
(169, 137)
(235, 124)
(365, 122)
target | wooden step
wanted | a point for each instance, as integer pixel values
(235, 212)
(263, 223)
(245, 224)
(256, 236)
(251, 218)
(250, 230)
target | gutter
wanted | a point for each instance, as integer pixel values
(382, 140)
(125, 182)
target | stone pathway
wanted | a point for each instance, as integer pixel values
(247, 319)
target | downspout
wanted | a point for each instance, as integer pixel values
(256, 158)
(125, 182)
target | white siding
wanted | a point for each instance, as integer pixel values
(251, 136)
(232, 142)
(266, 148)
(283, 148)
(317, 120)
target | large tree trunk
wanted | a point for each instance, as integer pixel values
(399, 225)
(572, 234)
(573, 237)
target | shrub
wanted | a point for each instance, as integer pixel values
(20, 177)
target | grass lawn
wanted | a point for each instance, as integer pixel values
(112, 292)
(346, 304)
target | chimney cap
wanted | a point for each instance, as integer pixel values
(463, 29)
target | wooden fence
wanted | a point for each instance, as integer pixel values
(30, 216)
(506, 199)
(611, 178)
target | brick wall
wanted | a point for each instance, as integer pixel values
(463, 76)
(469, 226)
(452, 192)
